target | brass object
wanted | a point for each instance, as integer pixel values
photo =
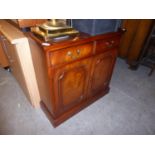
(78, 51)
(69, 53)
(54, 30)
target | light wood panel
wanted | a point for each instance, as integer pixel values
(26, 63)
(13, 34)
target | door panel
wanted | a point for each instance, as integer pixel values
(70, 84)
(102, 70)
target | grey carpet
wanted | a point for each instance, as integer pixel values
(129, 108)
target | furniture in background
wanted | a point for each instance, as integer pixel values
(15, 45)
(96, 26)
(133, 40)
(3, 57)
(22, 23)
(74, 73)
(147, 57)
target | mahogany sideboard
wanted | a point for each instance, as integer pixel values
(73, 74)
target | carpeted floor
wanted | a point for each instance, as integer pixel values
(129, 108)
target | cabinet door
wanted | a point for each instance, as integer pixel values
(70, 84)
(102, 71)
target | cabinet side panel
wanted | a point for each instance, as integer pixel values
(25, 59)
(39, 62)
(18, 73)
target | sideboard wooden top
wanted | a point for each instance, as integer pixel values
(80, 39)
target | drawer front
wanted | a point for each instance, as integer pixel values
(102, 45)
(71, 54)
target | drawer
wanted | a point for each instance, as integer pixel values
(102, 45)
(70, 54)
